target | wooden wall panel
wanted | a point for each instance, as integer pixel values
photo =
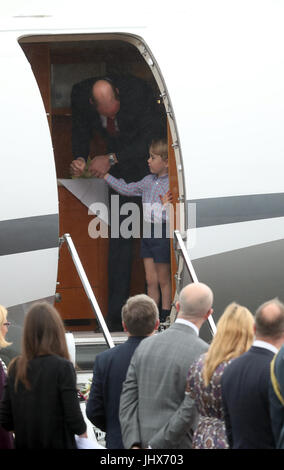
(61, 140)
(93, 253)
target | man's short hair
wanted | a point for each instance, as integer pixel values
(266, 325)
(140, 314)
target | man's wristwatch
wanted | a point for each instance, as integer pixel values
(111, 159)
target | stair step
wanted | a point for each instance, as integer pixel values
(89, 337)
(88, 344)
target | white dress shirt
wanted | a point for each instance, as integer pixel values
(263, 344)
(188, 323)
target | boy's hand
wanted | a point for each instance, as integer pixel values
(167, 198)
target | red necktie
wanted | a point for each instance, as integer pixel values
(111, 126)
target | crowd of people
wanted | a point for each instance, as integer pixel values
(159, 390)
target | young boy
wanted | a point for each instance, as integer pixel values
(154, 189)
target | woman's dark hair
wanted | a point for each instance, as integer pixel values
(43, 334)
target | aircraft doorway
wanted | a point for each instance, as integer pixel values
(58, 62)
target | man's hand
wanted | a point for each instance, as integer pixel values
(99, 166)
(77, 167)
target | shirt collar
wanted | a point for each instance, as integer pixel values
(263, 344)
(161, 177)
(188, 323)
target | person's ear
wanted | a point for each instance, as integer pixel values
(210, 312)
(124, 327)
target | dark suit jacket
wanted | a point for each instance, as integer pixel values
(139, 120)
(110, 370)
(49, 415)
(245, 385)
(276, 407)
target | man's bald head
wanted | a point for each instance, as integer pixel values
(269, 320)
(106, 98)
(195, 301)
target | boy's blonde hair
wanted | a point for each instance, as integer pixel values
(234, 336)
(160, 147)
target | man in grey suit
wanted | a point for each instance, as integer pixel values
(155, 384)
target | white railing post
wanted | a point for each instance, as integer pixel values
(87, 287)
(192, 273)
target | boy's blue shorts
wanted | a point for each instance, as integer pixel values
(157, 248)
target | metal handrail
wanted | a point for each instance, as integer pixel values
(192, 272)
(87, 287)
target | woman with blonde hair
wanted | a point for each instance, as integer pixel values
(234, 336)
(40, 402)
(6, 438)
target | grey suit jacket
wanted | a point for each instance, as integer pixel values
(153, 394)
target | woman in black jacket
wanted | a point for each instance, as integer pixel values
(40, 401)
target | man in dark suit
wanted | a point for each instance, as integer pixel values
(124, 111)
(245, 383)
(276, 398)
(140, 318)
(155, 384)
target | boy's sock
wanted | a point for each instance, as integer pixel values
(164, 314)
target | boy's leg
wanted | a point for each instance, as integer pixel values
(152, 279)
(164, 279)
